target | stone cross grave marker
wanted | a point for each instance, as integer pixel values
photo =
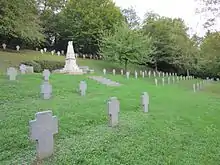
(62, 51)
(42, 130)
(113, 71)
(113, 111)
(46, 90)
(12, 73)
(46, 74)
(37, 49)
(194, 87)
(181, 77)
(122, 72)
(17, 47)
(163, 74)
(4, 46)
(45, 50)
(145, 101)
(177, 78)
(184, 78)
(198, 87)
(135, 74)
(22, 68)
(170, 74)
(166, 74)
(159, 74)
(127, 75)
(168, 80)
(154, 74)
(42, 51)
(52, 52)
(149, 74)
(163, 81)
(58, 53)
(104, 71)
(156, 82)
(82, 88)
(84, 56)
(142, 74)
(173, 79)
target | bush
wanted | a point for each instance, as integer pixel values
(39, 66)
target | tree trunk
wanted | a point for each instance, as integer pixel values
(126, 65)
(156, 66)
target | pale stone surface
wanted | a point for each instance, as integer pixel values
(52, 52)
(154, 74)
(135, 74)
(62, 51)
(173, 79)
(12, 73)
(104, 71)
(42, 51)
(42, 130)
(177, 78)
(45, 50)
(46, 90)
(82, 88)
(46, 74)
(163, 74)
(159, 74)
(17, 47)
(70, 62)
(166, 74)
(198, 86)
(4, 46)
(149, 74)
(194, 87)
(22, 68)
(36, 49)
(105, 81)
(84, 56)
(163, 81)
(170, 74)
(122, 72)
(29, 69)
(127, 75)
(113, 111)
(145, 101)
(58, 53)
(168, 80)
(113, 72)
(156, 82)
(142, 74)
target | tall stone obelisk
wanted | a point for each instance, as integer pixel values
(70, 62)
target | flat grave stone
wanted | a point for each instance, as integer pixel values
(113, 111)
(104, 81)
(42, 130)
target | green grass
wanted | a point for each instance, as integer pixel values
(181, 127)
(8, 59)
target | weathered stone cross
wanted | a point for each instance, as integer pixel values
(12, 73)
(82, 88)
(42, 130)
(145, 101)
(113, 110)
(46, 74)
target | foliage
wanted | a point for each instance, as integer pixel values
(36, 65)
(19, 19)
(131, 17)
(126, 46)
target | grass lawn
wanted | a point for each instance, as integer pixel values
(181, 127)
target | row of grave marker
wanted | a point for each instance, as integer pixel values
(45, 125)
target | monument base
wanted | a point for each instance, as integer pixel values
(76, 72)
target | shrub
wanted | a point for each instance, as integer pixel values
(37, 66)
(40, 65)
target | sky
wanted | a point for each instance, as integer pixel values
(184, 9)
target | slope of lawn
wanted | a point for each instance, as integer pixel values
(8, 59)
(181, 127)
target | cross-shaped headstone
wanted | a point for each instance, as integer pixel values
(194, 87)
(122, 72)
(17, 47)
(4, 46)
(46, 74)
(36, 49)
(42, 130)
(169, 74)
(46, 90)
(173, 79)
(58, 53)
(22, 68)
(166, 74)
(163, 81)
(145, 101)
(198, 87)
(62, 51)
(149, 74)
(159, 74)
(84, 56)
(104, 71)
(177, 78)
(156, 82)
(163, 74)
(154, 74)
(113, 72)
(52, 52)
(135, 74)
(184, 78)
(12, 73)
(113, 110)
(82, 88)
(45, 49)
(42, 51)
(142, 74)
(127, 75)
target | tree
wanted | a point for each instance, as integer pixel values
(85, 21)
(19, 19)
(126, 46)
(131, 17)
